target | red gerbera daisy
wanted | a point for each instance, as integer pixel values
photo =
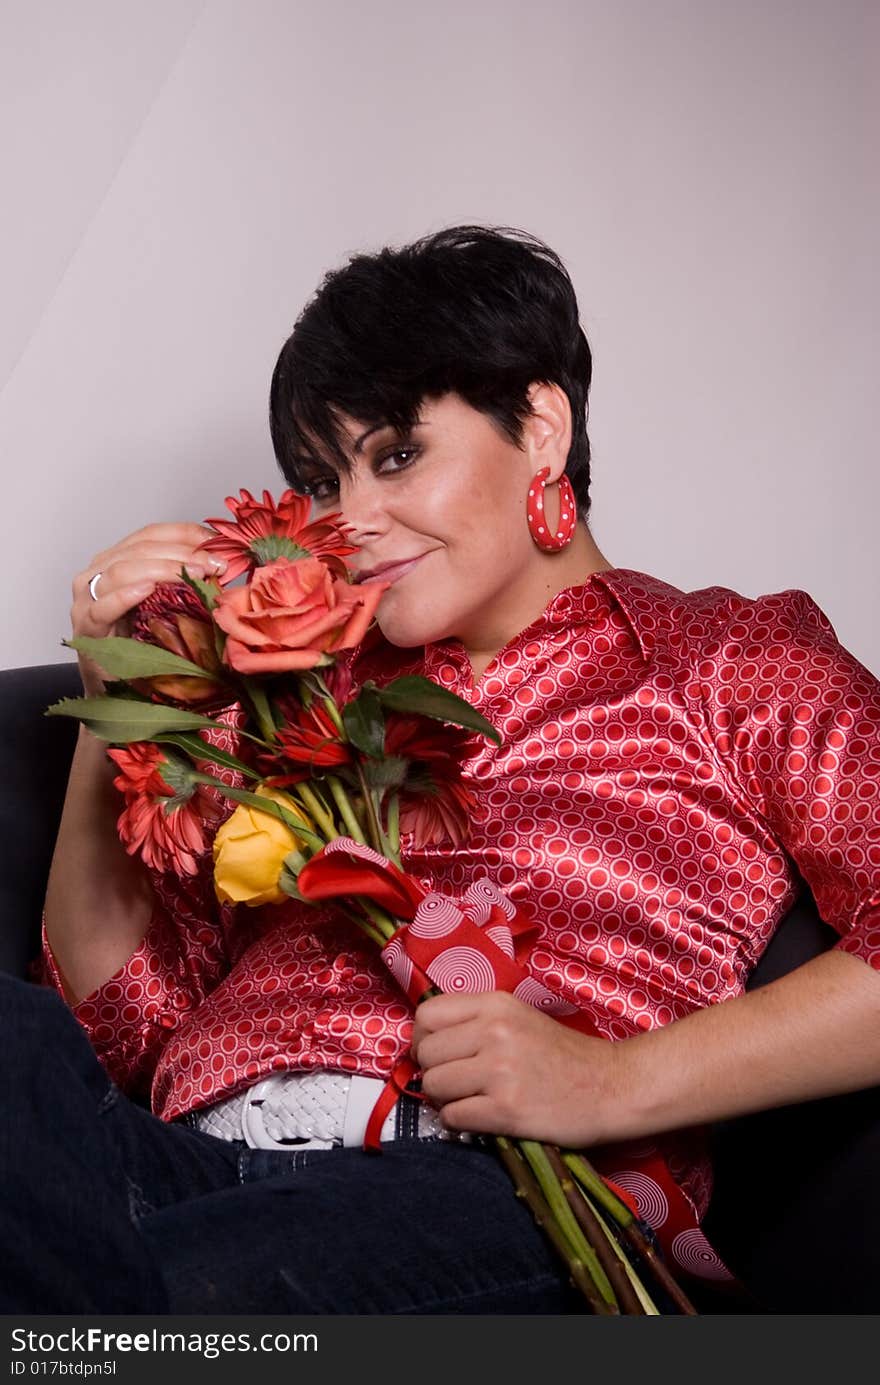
(435, 802)
(165, 815)
(263, 530)
(310, 740)
(439, 812)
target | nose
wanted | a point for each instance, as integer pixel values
(360, 505)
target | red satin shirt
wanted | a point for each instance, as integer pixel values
(670, 762)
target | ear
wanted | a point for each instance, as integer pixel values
(547, 431)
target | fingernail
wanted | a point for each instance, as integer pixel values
(217, 564)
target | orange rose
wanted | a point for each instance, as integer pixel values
(290, 614)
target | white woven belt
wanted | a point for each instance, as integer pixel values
(308, 1110)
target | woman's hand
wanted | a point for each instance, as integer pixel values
(130, 570)
(494, 1065)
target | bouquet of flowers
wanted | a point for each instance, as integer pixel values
(235, 724)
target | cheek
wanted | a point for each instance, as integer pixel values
(497, 538)
(460, 499)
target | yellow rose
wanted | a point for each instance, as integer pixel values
(249, 851)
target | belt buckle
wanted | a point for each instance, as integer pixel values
(253, 1128)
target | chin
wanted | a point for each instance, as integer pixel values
(403, 636)
(409, 631)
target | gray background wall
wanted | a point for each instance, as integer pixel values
(177, 177)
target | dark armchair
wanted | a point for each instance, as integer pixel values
(779, 1174)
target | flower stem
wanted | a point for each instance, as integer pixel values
(363, 924)
(373, 824)
(598, 1189)
(631, 1232)
(393, 831)
(333, 714)
(649, 1306)
(608, 1256)
(346, 811)
(318, 814)
(262, 710)
(536, 1155)
(639, 1242)
(528, 1188)
(384, 924)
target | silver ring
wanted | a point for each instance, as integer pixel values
(93, 582)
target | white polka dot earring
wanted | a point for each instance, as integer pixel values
(551, 543)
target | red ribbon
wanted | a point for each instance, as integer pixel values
(642, 1179)
(478, 944)
(403, 1073)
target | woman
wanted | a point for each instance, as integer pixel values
(670, 762)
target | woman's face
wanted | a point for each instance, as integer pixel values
(440, 514)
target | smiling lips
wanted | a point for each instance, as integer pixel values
(390, 572)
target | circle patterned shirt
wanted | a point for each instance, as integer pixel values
(674, 766)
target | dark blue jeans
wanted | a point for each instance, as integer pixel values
(104, 1208)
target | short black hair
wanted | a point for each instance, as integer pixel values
(481, 311)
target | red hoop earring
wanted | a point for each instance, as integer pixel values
(547, 542)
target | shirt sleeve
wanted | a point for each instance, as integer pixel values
(189, 947)
(182, 957)
(796, 719)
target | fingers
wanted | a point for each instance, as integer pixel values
(468, 1097)
(102, 617)
(447, 1044)
(452, 1081)
(143, 568)
(461, 1045)
(484, 1016)
(130, 570)
(128, 574)
(184, 537)
(443, 1010)
(480, 1115)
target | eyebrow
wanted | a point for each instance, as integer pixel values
(307, 462)
(310, 463)
(376, 428)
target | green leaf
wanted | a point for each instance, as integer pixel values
(364, 723)
(127, 659)
(287, 884)
(312, 682)
(265, 805)
(207, 592)
(122, 719)
(421, 695)
(294, 861)
(290, 869)
(198, 749)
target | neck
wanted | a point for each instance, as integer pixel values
(553, 573)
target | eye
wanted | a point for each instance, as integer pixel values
(324, 489)
(321, 488)
(408, 453)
